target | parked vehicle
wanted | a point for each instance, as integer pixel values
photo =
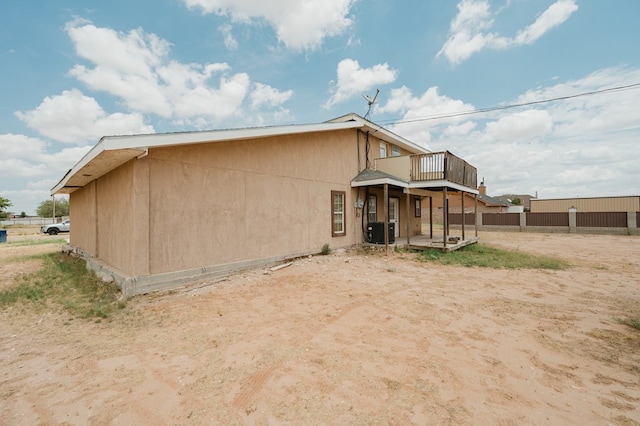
(55, 228)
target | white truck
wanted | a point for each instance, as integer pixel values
(55, 228)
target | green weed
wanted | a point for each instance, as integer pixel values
(64, 282)
(491, 257)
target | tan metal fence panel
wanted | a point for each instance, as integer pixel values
(601, 219)
(547, 219)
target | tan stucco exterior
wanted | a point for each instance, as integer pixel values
(195, 207)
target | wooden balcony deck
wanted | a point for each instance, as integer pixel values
(435, 169)
(443, 166)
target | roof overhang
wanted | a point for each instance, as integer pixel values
(382, 133)
(114, 151)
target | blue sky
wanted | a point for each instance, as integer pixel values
(73, 71)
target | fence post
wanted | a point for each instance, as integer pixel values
(631, 223)
(572, 219)
(523, 221)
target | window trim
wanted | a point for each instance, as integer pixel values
(335, 233)
(383, 146)
(417, 204)
(395, 150)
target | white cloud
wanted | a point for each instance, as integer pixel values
(519, 126)
(72, 117)
(355, 81)
(578, 146)
(138, 69)
(469, 30)
(32, 164)
(229, 41)
(263, 94)
(299, 25)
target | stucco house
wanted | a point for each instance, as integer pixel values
(158, 210)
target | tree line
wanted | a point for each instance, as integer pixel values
(45, 208)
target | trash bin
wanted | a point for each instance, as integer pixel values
(3, 235)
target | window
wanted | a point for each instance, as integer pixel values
(418, 207)
(383, 150)
(337, 214)
(371, 208)
(395, 151)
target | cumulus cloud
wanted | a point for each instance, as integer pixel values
(299, 25)
(263, 94)
(138, 69)
(72, 117)
(34, 165)
(354, 80)
(470, 33)
(583, 143)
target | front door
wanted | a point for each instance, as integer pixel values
(394, 215)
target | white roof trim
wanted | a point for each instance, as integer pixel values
(441, 184)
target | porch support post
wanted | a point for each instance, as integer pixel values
(445, 216)
(462, 194)
(408, 218)
(386, 218)
(430, 217)
(475, 211)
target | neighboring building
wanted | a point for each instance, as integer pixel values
(525, 199)
(158, 210)
(594, 204)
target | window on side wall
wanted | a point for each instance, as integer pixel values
(383, 150)
(372, 208)
(338, 214)
(395, 151)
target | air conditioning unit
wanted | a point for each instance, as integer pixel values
(375, 232)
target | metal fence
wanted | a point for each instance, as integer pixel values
(29, 221)
(547, 219)
(601, 219)
(596, 221)
(456, 218)
(504, 219)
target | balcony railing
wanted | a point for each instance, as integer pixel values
(443, 166)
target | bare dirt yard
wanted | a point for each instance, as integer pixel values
(344, 339)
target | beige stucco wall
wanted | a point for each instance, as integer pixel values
(232, 201)
(202, 205)
(83, 218)
(395, 166)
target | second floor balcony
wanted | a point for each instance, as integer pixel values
(435, 169)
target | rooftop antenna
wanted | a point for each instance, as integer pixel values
(370, 102)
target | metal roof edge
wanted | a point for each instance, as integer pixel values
(90, 155)
(145, 141)
(389, 136)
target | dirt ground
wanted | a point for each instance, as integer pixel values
(344, 339)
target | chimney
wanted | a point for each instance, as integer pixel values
(482, 189)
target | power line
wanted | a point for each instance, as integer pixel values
(499, 108)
